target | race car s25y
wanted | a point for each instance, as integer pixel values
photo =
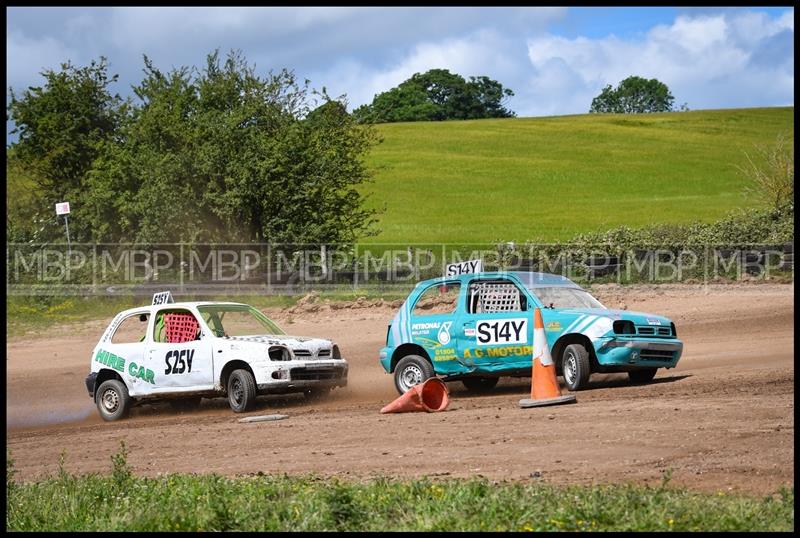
(186, 351)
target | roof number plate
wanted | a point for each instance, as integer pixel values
(464, 268)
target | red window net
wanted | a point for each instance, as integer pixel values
(180, 328)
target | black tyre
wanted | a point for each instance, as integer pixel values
(480, 384)
(411, 370)
(575, 366)
(186, 404)
(241, 391)
(316, 393)
(112, 399)
(642, 376)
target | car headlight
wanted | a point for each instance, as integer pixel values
(277, 353)
(623, 326)
(336, 353)
(674, 330)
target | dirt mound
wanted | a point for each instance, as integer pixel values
(311, 303)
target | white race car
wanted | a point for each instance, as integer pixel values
(186, 351)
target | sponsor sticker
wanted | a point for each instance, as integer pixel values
(651, 321)
(444, 333)
(553, 326)
(419, 329)
(444, 354)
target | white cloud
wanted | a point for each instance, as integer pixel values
(709, 61)
(716, 59)
(26, 57)
(146, 27)
(485, 52)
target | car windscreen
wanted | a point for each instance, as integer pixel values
(237, 320)
(565, 297)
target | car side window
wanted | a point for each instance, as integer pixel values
(132, 329)
(487, 296)
(176, 326)
(438, 299)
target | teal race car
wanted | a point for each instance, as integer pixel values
(478, 327)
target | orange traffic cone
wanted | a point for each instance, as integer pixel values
(544, 386)
(429, 396)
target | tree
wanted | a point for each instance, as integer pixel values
(634, 95)
(222, 154)
(438, 95)
(62, 126)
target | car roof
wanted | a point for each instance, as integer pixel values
(528, 278)
(531, 278)
(184, 304)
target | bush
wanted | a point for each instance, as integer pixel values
(773, 181)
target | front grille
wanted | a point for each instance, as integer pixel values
(654, 331)
(315, 374)
(307, 354)
(656, 355)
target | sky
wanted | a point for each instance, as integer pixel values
(554, 59)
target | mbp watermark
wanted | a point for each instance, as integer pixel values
(102, 269)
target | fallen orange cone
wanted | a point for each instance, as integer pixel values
(544, 385)
(429, 396)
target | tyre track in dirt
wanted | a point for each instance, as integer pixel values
(722, 420)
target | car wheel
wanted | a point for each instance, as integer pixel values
(113, 400)
(480, 384)
(241, 391)
(642, 376)
(411, 370)
(186, 404)
(316, 393)
(575, 366)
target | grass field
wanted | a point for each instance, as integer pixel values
(546, 179)
(121, 501)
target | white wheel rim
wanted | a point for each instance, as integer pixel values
(570, 368)
(110, 400)
(410, 376)
(237, 390)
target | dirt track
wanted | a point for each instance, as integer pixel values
(722, 420)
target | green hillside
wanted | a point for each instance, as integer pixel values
(546, 179)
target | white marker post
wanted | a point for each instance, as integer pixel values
(63, 209)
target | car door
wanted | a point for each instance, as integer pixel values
(179, 351)
(495, 328)
(432, 324)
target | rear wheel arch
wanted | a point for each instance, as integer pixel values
(408, 349)
(104, 375)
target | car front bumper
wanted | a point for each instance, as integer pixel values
(296, 376)
(629, 353)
